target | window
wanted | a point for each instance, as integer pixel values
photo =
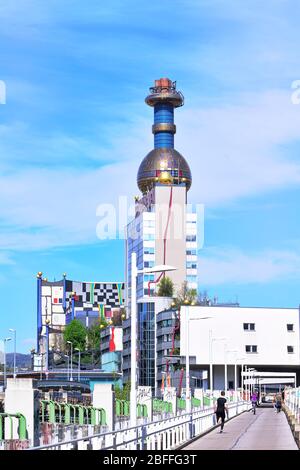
(191, 265)
(148, 264)
(250, 348)
(191, 279)
(290, 327)
(191, 252)
(191, 238)
(148, 251)
(249, 326)
(149, 236)
(290, 349)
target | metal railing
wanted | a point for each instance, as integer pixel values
(167, 434)
(292, 401)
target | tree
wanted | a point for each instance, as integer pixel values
(166, 287)
(76, 333)
(123, 393)
(185, 296)
(94, 336)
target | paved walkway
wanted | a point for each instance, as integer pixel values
(266, 430)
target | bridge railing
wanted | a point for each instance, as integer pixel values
(167, 434)
(292, 401)
(16, 422)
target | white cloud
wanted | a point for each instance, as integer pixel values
(5, 258)
(234, 151)
(237, 150)
(225, 265)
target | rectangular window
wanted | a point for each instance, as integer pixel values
(191, 238)
(290, 349)
(290, 327)
(148, 264)
(191, 252)
(191, 265)
(148, 251)
(249, 326)
(251, 348)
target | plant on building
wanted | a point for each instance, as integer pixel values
(185, 296)
(76, 333)
(176, 352)
(123, 393)
(166, 287)
(94, 336)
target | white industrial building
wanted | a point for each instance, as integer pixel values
(264, 339)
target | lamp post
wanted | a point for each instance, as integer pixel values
(235, 375)
(226, 352)
(77, 349)
(15, 349)
(68, 370)
(71, 375)
(133, 349)
(4, 360)
(252, 369)
(211, 359)
(187, 360)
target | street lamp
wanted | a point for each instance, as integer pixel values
(235, 375)
(15, 348)
(187, 360)
(133, 349)
(4, 358)
(79, 350)
(226, 365)
(71, 375)
(211, 340)
(68, 370)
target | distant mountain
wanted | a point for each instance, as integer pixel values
(22, 360)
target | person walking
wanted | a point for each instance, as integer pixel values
(220, 409)
(278, 403)
(254, 399)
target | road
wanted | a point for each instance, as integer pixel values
(266, 430)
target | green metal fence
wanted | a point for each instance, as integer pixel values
(181, 404)
(21, 430)
(66, 413)
(160, 406)
(196, 402)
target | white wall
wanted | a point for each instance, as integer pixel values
(270, 335)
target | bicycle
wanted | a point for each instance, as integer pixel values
(254, 406)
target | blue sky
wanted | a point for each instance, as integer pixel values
(75, 127)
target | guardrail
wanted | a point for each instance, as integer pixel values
(66, 413)
(167, 434)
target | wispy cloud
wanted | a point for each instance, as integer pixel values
(227, 265)
(234, 151)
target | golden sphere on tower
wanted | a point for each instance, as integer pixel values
(165, 177)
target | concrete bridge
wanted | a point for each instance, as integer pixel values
(266, 430)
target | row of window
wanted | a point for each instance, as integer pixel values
(252, 348)
(251, 326)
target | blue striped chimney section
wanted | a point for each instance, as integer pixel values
(164, 114)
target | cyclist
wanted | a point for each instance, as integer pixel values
(254, 399)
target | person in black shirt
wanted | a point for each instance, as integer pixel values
(220, 409)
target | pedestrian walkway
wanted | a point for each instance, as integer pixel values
(266, 430)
